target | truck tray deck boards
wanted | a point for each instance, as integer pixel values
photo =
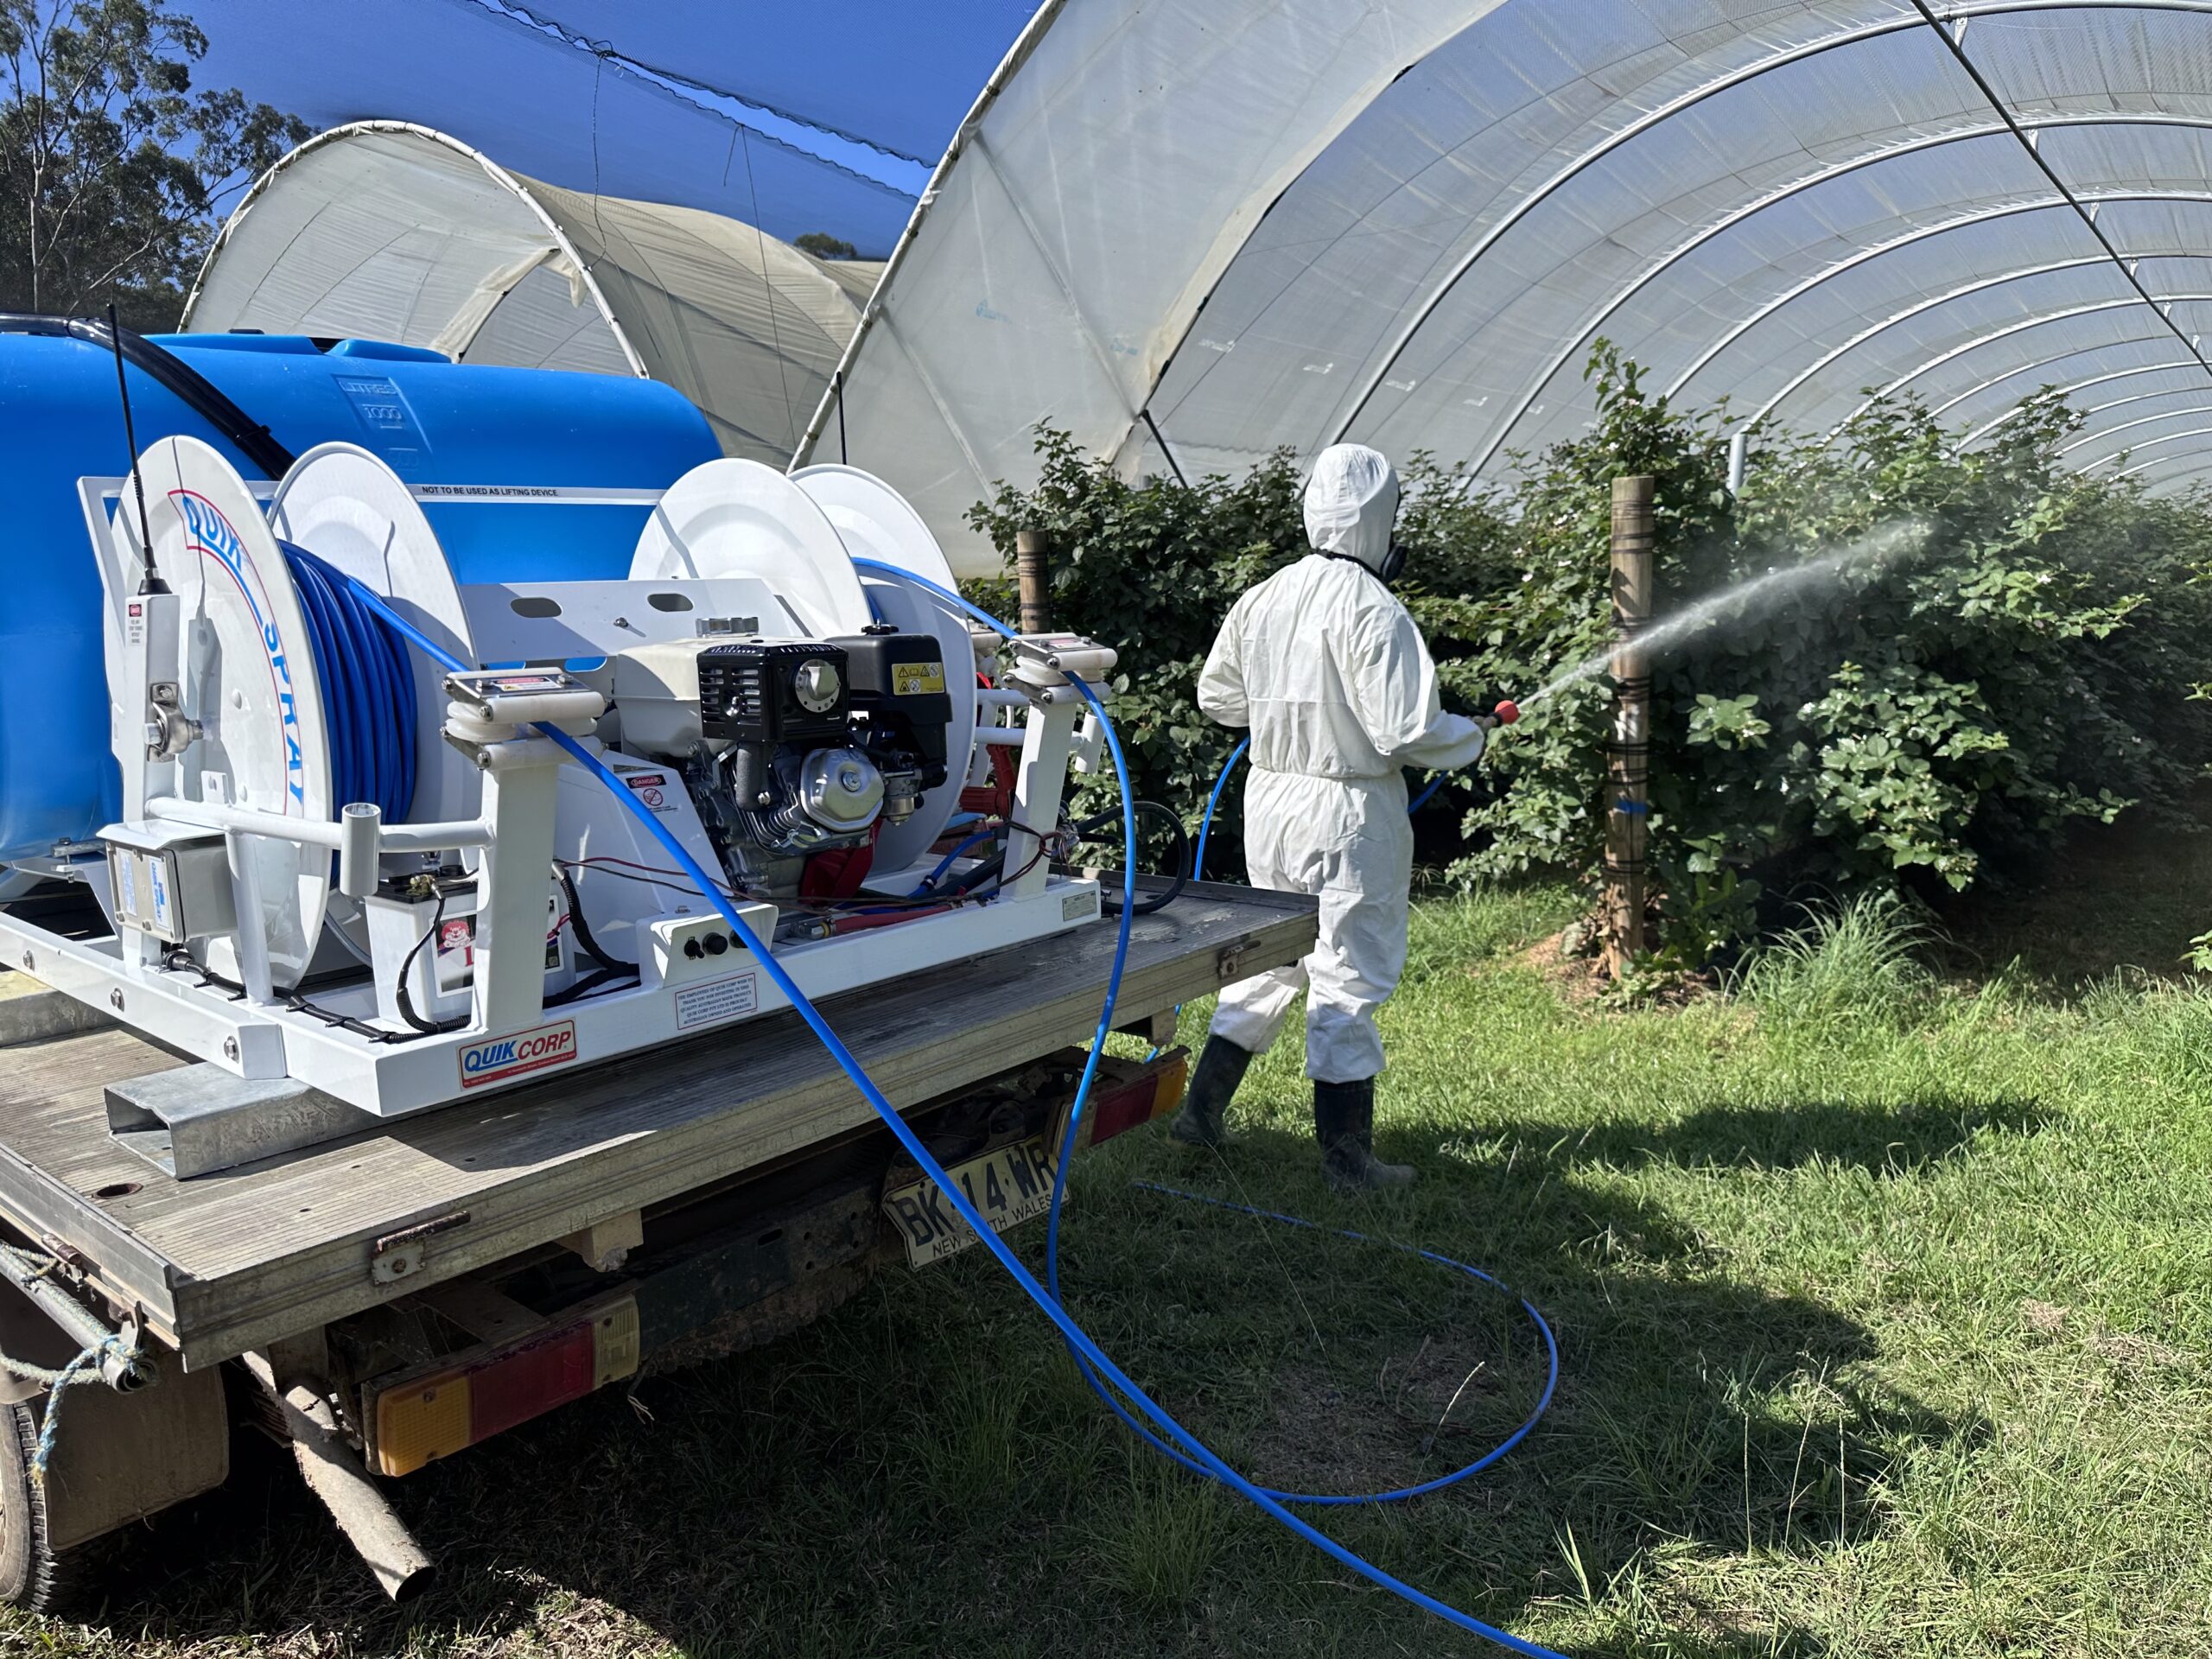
(228, 1262)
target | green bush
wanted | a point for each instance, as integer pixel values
(1151, 569)
(1956, 656)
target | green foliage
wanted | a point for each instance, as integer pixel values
(1152, 568)
(823, 245)
(112, 164)
(2200, 953)
(1887, 662)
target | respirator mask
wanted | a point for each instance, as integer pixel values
(1393, 563)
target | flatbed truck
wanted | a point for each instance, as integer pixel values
(386, 1300)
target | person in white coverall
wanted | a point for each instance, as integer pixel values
(1325, 666)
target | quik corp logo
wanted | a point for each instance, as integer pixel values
(497, 1059)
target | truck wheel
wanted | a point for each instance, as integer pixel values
(33, 1575)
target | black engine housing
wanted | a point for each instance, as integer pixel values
(900, 703)
(748, 692)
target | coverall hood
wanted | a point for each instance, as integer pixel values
(1351, 501)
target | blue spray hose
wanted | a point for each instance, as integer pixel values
(1202, 1460)
(1067, 1151)
(1076, 1337)
(1205, 824)
(1206, 830)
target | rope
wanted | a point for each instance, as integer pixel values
(83, 1368)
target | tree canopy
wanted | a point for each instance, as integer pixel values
(823, 245)
(114, 166)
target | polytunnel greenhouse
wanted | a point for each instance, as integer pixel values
(390, 231)
(1192, 235)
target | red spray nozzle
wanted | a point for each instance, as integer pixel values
(1508, 711)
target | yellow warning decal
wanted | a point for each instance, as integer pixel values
(916, 679)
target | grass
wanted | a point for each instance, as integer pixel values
(1883, 1303)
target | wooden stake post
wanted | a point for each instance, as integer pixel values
(1629, 755)
(1032, 569)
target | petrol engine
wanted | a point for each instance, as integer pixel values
(790, 748)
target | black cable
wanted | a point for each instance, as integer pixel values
(181, 961)
(428, 1027)
(1111, 906)
(612, 965)
(987, 869)
(584, 987)
(1160, 438)
(299, 1004)
(252, 439)
(150, 579)
(611, 970)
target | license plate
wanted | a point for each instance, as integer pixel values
(1008, 1187)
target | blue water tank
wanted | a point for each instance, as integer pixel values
(432, 421)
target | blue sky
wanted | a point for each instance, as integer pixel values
(819, 116)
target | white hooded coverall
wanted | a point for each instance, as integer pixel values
(1325, 667)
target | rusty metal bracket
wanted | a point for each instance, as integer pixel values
(399, 1255)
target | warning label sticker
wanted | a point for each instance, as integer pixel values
(916, 679)
(715, 1000)
(456, 949)
(650, 787)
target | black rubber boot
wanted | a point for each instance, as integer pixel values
(1221, 1067)
(1344, 1122)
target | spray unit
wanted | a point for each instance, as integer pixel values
(340, 861)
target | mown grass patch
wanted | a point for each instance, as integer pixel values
(1884, 1307)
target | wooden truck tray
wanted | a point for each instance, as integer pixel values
(227, 1262)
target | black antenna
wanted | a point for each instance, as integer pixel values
(151, 582)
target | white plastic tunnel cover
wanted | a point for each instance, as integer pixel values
(1193, 234)
(386, 231)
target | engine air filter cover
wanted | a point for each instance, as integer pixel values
(772, 691)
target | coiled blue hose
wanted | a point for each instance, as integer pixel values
(1077, 1339)
(1090, 1360)
(368, 688)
